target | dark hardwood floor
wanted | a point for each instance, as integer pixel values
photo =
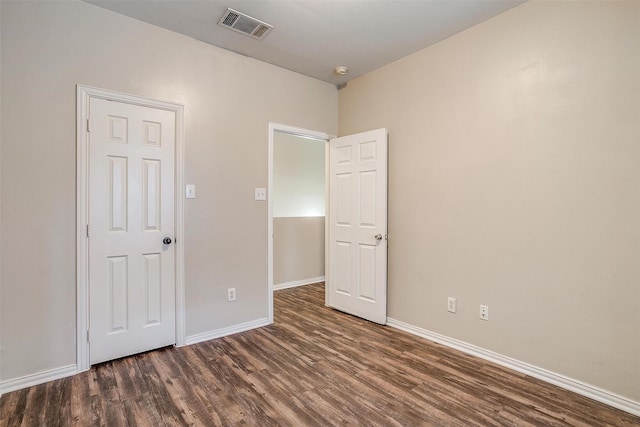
(312, 367)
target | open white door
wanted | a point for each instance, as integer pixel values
(357, 282)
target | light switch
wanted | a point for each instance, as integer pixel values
(191, 191)
(261, 194)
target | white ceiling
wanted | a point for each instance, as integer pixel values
(312, 37)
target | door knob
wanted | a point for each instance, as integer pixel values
(166, 240)
(378, 237)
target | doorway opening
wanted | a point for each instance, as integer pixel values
(297, 194)
(355, 225)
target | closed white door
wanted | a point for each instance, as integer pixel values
(131, 229)
(357, 282)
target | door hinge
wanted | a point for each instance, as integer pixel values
(88, 128)
(87, 230)
(88, 336)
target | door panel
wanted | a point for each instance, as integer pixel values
(357, 282)
(153, 289)
(118, 284)
(151, 194)
(131, 210)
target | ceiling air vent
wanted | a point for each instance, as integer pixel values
(245, 24)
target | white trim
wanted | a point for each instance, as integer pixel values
(579, 387)
(295, 283)
(83, 95)
(38, 378)
(179, 239)
(292, 130)
(82, 219)
(219, 333)
(327, 207)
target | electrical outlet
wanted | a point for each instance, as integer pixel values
(260, 194)
(231, 294)
(484, 312)
(452, 305)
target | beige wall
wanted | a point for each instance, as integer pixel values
(514, 159)
(298, 249)
(48, 48)
(298, 176)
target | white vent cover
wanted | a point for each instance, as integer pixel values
(244, 24)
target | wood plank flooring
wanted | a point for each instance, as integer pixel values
(313, 367)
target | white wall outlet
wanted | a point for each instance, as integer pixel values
(484, 312)
(260, 194)
(452, 305)
(191, 191)
(231, 294)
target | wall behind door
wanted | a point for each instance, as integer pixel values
(298, 209)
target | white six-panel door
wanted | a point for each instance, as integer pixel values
(131, 212)
(357, 282)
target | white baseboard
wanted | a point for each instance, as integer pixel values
(66, 371)
(37, 378)
(576, 386)
(295, 283)
(219, 333)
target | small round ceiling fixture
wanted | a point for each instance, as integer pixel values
(341, 70)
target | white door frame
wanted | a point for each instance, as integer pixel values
(83, 94)
(292, 130)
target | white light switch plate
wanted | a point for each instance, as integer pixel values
(261, 194)
(190, 192)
